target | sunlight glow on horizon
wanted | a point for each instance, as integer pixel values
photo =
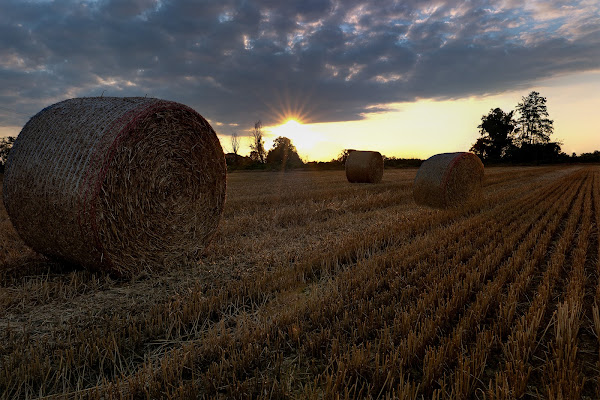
(423, 128)
(426, 127)
(302, 136)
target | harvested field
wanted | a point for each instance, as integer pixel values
(314, 288)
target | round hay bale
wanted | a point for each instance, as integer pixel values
(448, 179)
(116, 184)
(364, 167)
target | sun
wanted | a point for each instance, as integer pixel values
(301, 135)
(293, 127)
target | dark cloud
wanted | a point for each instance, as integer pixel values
(124, 9)
(237, 61)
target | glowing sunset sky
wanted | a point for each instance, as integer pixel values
(407, 78)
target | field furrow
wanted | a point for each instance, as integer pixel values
(317, 288)
(565, 364)
(522, 349)
(498, 297)
(362, 290)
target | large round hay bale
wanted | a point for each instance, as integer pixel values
(364, 167)
(116, 184)
(448, 179)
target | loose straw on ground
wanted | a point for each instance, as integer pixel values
(364, 167)
(448, 179)
(117, 184)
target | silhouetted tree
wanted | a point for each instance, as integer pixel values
(538, 153)
(534, 125)
(395, 162)
(590, 157)
(6, 144)
(496, 130)
(235, 145)
(258, 145)
(284, 154)
(481, 147)
(344, 156)
(526, 139)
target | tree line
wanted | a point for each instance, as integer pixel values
(284, 155)
(521, 135)
(518, 136)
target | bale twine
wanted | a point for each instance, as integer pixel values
(448, 179)
(364, 167)
(116, 184)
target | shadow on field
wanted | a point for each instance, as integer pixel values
(30, 266)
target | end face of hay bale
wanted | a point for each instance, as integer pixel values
(364, 167)
(448, 179)
(119, 184)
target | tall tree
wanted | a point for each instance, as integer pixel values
(284, 154)
(235, 144)
(496, 130)
(258, 145)
(534, 125)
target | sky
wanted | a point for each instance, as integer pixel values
(407, 78)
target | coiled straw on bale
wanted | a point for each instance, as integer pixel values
(448, 179)
(116, 184)
(364, 167)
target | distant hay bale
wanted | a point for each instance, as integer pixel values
(116, 184)
(448, 179)
(364, 167)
